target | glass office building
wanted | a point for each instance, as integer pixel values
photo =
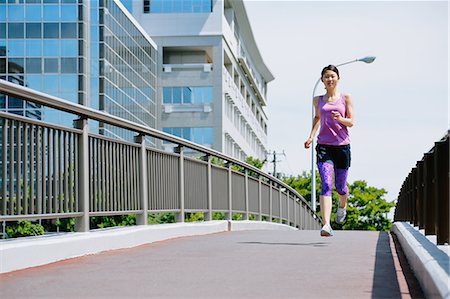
(90, 52)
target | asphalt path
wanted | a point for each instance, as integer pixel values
(245, 264)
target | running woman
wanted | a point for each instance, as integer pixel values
(334, 114)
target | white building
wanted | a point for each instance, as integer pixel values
(212, 80)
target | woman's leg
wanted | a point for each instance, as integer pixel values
(341, 185)
(326, 177)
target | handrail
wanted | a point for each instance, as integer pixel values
(31, 95)
(423, 199)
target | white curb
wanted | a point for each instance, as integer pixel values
(430, 265)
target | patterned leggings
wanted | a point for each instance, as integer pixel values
(326, 176)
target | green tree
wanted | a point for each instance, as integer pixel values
(24, 228)
(366, 206)
(367, 209)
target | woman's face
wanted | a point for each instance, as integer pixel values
(330, 79)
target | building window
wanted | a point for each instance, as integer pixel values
(202, 135)
(177, 6)
(187, 95)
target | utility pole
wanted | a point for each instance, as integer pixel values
(274, 161)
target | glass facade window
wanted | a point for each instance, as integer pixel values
(15, 30)
(33, 30)
(127, 70)
(187, 95)
(42, 46)
(201, 135)
(177, 6)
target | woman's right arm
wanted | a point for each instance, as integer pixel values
(315, 123)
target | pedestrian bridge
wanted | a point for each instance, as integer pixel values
(53, 172)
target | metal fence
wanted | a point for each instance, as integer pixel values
(424, 197)
(50, 172)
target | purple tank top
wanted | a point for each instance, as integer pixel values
(331, 131)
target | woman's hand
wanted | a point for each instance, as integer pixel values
(308, 142)
(336, 115)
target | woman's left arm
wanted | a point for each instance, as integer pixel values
(348, 119)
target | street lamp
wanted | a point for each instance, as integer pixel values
(367, 59)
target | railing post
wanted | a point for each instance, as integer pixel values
(287, 208)
(259, 217)
(414, 196)
(142, 219)
(420, 205)
(229, 214)
(208, 215)
(429, 200)
(270, 202)
(295, 211)
(179, 217)
(441, 174)
(82, 223)
(246, 217)
(280, 204)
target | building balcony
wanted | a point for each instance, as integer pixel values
(205, 67)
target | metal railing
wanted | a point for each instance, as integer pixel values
(424, 197)
(50, 172)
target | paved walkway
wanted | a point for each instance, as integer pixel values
(245, 264)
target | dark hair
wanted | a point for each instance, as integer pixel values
(330, 68)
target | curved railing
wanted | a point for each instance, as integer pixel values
(50, 172)
(424, 197)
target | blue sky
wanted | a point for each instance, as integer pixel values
(401, 100)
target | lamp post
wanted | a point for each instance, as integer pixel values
(367, 59)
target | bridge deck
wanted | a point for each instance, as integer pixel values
(244, 264)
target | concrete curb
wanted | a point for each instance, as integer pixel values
(430, 265)
(17, 254)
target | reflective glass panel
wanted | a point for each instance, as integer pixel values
(69, 83)
(50, 83)
(2, 47)
(167, 95)
(176, 95)
(2, 65)
(15, 48)
(2, 12)
(69, 48)
(69, 13)
(187, 95)
(16, 13)
(14, 103)
(33, 30)
(198, 135)
(207, 136)
(51, 65)
(33, 47)
(34, 81)
(51, 30)
(15, 30)
(51, 12)
(51, 47)
(34, 65)
(187, 133)
(15, 65)
(2, 30)
(33, 12)
(2, 101)
(207, 94)
(156, 6)
(69, 65)
(68, 30)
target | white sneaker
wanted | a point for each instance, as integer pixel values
(339, 217)
(326, 231)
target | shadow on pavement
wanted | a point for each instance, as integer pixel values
(314, 244)
(386, 282)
